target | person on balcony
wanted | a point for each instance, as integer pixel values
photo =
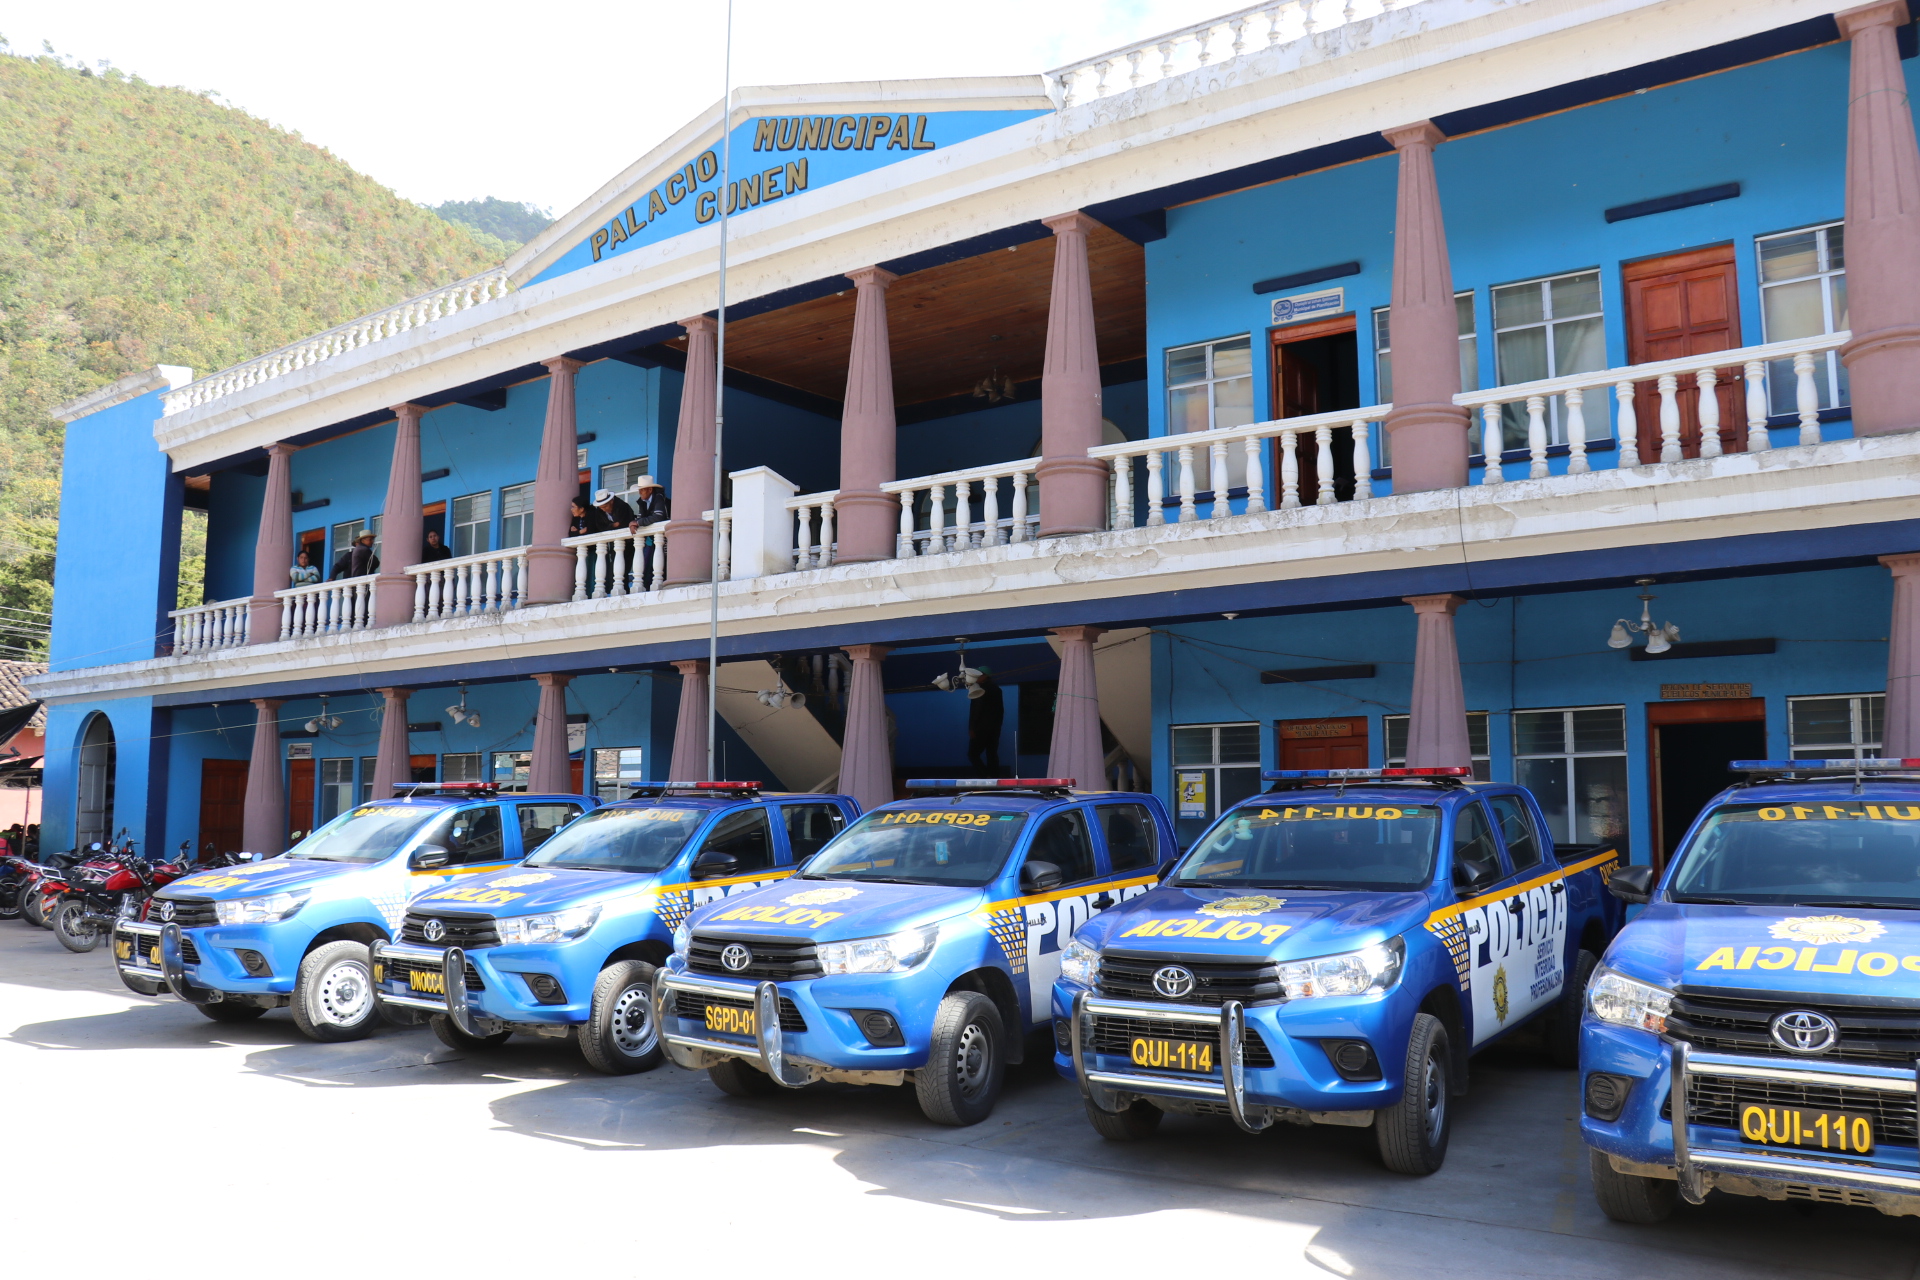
(653, 506)
(435, 549)
(586, 520)
(304, 573)
(617, 512)
(357, 561)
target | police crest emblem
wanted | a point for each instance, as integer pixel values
(1822, 931)
(1253, 905)
(1500, 993)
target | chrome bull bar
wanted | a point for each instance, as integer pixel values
(1229, 1028)
(768, 1050)
(174, 969)
(380, 952)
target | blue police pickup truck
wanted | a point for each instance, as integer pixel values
(1331, 951)
(294, 931)
(920, 945)
(567, 943)
(1756, 1029)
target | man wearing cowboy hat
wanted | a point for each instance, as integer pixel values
(616, 511)
(652, 507)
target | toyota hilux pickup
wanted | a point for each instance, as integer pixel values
(919, 947)
(1756, 1029)
(294, 931)
(566, 944)
(1331, 951)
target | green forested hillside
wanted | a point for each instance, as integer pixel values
(142, 225)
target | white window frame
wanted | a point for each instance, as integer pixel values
(517, 767)
(1212, 769)
(1513, 417)
(630, 469)
(478, 771)
(484, 540)
(1569, 755)
(618, 779)
(1831, 375)
(511, 493)
(345, 791)
(1481, 760)
(1860, 745)
(1210, 381)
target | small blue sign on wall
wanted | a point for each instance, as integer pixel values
(1308, 306)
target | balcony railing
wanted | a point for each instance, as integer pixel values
(813, 542)
(465, 586)
(947, 503)
(619, 562)
(326, 607)
(221, 625)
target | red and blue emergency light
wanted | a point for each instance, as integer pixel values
(1342, 775)
(1872, 764)
(989, 784)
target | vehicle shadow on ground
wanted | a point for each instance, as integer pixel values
(157, 1022)
(34, 958)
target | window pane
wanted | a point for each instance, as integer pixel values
(616, 770)
(1517, 304)
(367, 764)
(1233, 359)
(511, 769)
(1132, 840)
(538, 822)
(1840, 320)
(1193, 746)
(1600, 729)
(460, 768)
(1873, 710)
(1240, 744)
(1395, 728)
(1463, 314)
(1789, 257)
(1476, 860)
(1537, 733)
(1793, 311)
(1579, 347)
(1821, 721)
(1187, 410)
(1522, 355)
(1237, 785)
(1469, 366)
(1600, 799)
(1836, 249)
(1233, 403)
(745, 835)
(1063, 841)
(1186, 364)
(1476, 734)
(1383, 378)
(809, 826)
(1516, 828)
(516, 500)
(1382, 330)
(1547, 779)
(472, 836)
(1576, 295)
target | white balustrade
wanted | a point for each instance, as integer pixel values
(340, 339)
(1244, 31)
(1698, 378)
(484, 582)
(619, 562)
(813, 522)
(326, 607)
(948, 502)
(1219, 446)
(221, 625)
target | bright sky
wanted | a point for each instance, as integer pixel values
(444, 101)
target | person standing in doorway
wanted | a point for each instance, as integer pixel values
(986, 716)
(304, 572)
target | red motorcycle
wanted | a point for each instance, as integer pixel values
(109, 885)
(41, 886)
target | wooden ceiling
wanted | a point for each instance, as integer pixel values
(950, 326)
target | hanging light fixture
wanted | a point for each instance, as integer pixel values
(323, 720)
(460, 715)
(1659, 638)
(781, 698)
(966, 677)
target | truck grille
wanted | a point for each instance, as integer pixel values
(141, 943)
(694, 1005)
(188, 913)
(399, 969)
(462, 930)
(774, 959)
(1128, 975)
(1116, 1035)
(1717, 1101)
(1722, 1024)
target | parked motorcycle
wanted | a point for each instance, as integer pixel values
(110, 884)
(42, 883)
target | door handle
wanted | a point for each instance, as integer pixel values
(1559, 886)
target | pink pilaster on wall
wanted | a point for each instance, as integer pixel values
(1883, 227)
(550, 772)
(866, 754)
(868, 518)
(1073, 487)
(392, 764)
(401, 523)
(272, 548)
(1901, 734)
(1437, 725)
(689, 762)
(690, 538)
(263, 814)
(556, 482)
(1075, 750)
(1428, 430)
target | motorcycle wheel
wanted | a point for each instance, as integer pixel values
(74, 935)
(31, 910)
(12, 899)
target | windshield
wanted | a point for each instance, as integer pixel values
(1317, 846)
(369, 833)
(921, 846)
(1847, 854)
(619, 840)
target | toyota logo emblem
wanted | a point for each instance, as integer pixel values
(1173, 982)
(1804, 1031)
(734, 957)
(166, 911)
(433, 931)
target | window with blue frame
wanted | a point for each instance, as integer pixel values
(516, 515)
(472, 519)
(1547, 328)
(1210, 384)
(1803, 294)
(1574, 760)
(1841, 727)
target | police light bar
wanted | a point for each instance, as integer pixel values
(655, 788)
(1872, 764)
(1309, 775)
(446, 788)
(989, 784)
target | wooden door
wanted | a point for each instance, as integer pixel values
(299, 798)
(1685, 304)
(223, 797)
(1340, 743)
(1300, 390)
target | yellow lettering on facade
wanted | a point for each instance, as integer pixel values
(703, 208)
(843, 127)
(1722, 958)
(618, 232)
(789, 130)
(813, 134)
(708, 165)
(763, 134)
(677, 188)
(599, 242)
(770, 184)
(902, 138)
(633, 226)
(920, 142)
(655, 205)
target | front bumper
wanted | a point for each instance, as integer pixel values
(151, 960)
(494, 988)
(831, 1048)
(209, 961)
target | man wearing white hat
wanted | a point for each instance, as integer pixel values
(613, 508)
(650, 508)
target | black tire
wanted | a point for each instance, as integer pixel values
(12, 898)
(1413, 1133)
(72, 934)
(1628, 1197)
(965, 1061)
(399, 1015)
(230, 1011)
(620, 1036)
(737, 1077)
(1563, 1024)
(454, 1038)
(32, 910)
(1136, 1122)
(333, 994)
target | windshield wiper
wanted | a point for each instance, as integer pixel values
(1866, 903)
(1718, 902)
(1203, 884)
(1283, 884)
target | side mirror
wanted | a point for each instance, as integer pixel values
(1632, 885)
(429, 856)
(714, 865)
(1038, 877)
(1465, 884)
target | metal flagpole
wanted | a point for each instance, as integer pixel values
(719, 403)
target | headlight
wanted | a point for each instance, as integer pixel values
(266, 910)
(895, 953)
(1080, 963)
(555, 926)
(1628, 1002)
(1351, 973)
(682, 938)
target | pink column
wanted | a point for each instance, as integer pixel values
(400, 523)
(868, 520)
(1883, 229)
(866, 754)
(392, 764)
(1437, 727)
(556, 482)
(551, 772)
(272, 548)
(1073, 487)
(263, 821)
(689, 538)
(1428, 430)
(689, 763)
(1900, 738)
(1075, 751)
